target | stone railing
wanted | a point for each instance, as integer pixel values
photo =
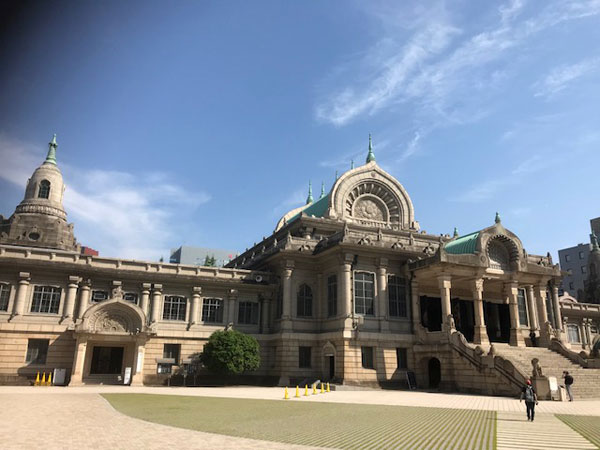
(582, 358)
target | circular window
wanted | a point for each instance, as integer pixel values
(34, 236)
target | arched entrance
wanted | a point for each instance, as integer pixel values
(435, 373)
(328, 361)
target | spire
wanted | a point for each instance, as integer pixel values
(51, 158)
(351, 164)
(336, 175)
(322, 189)
(309, 199)
(455, 232)
(497, 219)
(370, 156)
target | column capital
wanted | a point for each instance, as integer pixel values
(477, 284)
(157, 287)
(510, 285)
(73, 279)
(347, 258)
(444, 281)
(288, 264)
(196, 290)
(232, 293)
(24, 276)
(382, 263)
(146, 286)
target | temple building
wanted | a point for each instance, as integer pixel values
(347, 289)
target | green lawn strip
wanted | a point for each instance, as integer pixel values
(337, 425)
(587, 426)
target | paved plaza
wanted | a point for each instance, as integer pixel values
(83, 418)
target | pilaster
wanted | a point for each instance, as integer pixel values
(480, 335)
(445, 284)
(145, 300)
(21, 295)
(511, 290)
(156, 302)
(69, 308)
(382, 295)
(194, 311)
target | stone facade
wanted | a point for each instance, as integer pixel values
(346, 289)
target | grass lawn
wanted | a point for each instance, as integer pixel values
(320, 424)
(587, 426)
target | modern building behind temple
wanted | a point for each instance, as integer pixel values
(346, 289)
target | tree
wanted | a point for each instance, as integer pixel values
(210, 261)
(230, 353)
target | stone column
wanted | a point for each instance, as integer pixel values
(346, 288)
(415, 307)
(84, 298)
(445, 283)
(556, 304)
(232, 296)
(533, 318)
(195, 309)
(382, 295)
(138, 368)
(264, 314)
(512, 291)
(588, 331)
(78, 361)
(542, 313)
(480, 336)
(156, 303)
(288, 295)
(145, 300)
(69, 308)
(21, 295)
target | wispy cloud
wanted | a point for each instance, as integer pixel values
(561, 77)
(119, 213)
(411, 147)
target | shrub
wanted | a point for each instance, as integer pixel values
(230, 353)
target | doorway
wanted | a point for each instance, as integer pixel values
(331, 359)
(464, 320)
(431, 313)
(435, 373)
(107, 361)
(497, 321)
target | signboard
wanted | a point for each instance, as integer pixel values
(127, 377)
(140, 361)
(411, 380)
(553, 384)
(59, 377)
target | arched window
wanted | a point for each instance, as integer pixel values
(498, 254)
(44, 191)
(304, 301)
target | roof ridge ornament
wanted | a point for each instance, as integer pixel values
(497, 219)
(309, 199)
(456, 232)
(370, 155)
(351, 164)
(51, 157)
(322, 190)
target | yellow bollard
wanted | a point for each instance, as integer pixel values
(37, 380)
(43, 382)
(328, 388)
(49, 382)
(306, 390)
(286, 396)
(314, 390)
(297, 392)
(322, 389)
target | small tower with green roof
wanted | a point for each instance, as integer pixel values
(370, 155)
(309, 199)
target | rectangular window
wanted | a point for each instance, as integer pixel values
(37, 351)
(99, 296)
(131, 297)
(248, 313)
(172, 351)
(570, 285)
(581, 255)
(583, 269)
(522, 305)
(163, 368)
(573, 332)
(397, 296)
(367, 357)
(332, 296)
(212, 310)
(304, 357)
(363, 293)
(46, 299)
(401, 358)
(567, 258)
(4, 296)
(174, 308)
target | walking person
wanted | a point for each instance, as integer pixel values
(568, 383)
(528, 393)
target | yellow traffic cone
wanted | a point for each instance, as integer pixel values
(37, 379)
(49, 383)
(43, 382)
(328, 388)
(286, 396)
(322, 389)
(297, 392)
(306, 390)
(314, 390)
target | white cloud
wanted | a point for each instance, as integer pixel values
(561, 77)
(411, 147)
(118, 213)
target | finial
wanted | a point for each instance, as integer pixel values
(309, 199)
(336, 175)
(370, 156)
(497, 219)
(51, 157)
(594, 241)
(322, 189)
(351, 164)
(455, 232)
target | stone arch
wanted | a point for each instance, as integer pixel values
(328, 349)
(114, 316)
(502, 252)
(44, 189)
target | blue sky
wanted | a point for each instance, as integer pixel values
(201, 123)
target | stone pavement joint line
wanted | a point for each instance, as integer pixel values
(546, 432)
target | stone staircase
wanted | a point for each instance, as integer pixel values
(586, 381)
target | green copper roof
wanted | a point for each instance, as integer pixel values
(463, 244)
(51, 158)
(317, 209)
(370, 155)
(309, 199)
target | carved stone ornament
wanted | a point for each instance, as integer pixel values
(366, 208)
(110, 322)
(537, 369)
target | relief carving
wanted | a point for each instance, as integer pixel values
(366, 208)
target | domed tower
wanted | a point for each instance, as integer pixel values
(40, 219)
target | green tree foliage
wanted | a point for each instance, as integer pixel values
(210, 261)
(230, 353)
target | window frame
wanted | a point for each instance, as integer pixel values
(304, 301)
(104, 293)
(5, 291)
(44, 189)
(168, 348)
(37, 360)
(522, 308)
(575, 327)
(366, 311)
(401, 304)
(304, 357)
(53, 304)
(210, 305)
(332, 295)
(173, 307)
(367, 357)
(135, 294)
(248, 313)
(402, 357)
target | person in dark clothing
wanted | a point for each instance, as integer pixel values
(568, 382)
(533, 338)
(528, 393)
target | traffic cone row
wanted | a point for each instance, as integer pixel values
(44, 381)
(325, 388)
